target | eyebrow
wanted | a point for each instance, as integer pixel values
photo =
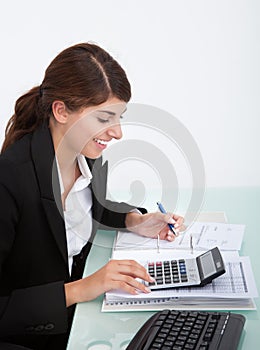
(110, 112)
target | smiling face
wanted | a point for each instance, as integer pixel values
(89, 131)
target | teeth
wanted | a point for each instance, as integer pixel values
(102, 142)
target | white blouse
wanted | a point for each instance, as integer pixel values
(77, 210)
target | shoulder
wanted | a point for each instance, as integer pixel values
(18, 152)
(13, 162)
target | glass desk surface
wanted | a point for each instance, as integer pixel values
(96, 330)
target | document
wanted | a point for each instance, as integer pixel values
(234, 290)
(201, 235)
(238, 282)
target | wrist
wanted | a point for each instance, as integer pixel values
(132, 219)
(72, 292)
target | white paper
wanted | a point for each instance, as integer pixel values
(180, 304)
(144, 255)
(201, 235)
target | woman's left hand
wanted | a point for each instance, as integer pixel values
(154, 224)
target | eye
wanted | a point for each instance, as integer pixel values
(102, 120)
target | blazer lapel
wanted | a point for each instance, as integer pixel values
(98, 187)
(43, 156)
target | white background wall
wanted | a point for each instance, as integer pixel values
(197, 59)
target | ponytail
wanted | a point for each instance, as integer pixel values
(26, 117)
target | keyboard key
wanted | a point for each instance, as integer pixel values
(156, 346)
(189, 347)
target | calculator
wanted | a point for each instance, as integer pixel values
(186, 272)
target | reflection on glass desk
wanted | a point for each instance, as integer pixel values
(93, 329)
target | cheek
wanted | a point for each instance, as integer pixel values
(81, 135)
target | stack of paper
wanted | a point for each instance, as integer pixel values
(235, 290)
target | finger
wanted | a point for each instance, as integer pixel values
(178, 225)
(171, 236)
(125, 280)
(131, 288)
(132, 282)
(134, 269)
(168, 218)
(178, 219)
(182, 228)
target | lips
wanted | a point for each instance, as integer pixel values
(101, 142)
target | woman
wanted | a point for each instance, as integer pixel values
(52, 190)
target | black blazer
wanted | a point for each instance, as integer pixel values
(33, 247)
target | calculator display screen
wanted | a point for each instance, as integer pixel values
(207, 264)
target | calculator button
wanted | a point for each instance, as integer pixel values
(159, 281)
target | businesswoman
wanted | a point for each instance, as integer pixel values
(53, 199)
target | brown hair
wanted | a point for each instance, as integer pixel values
(82, 75)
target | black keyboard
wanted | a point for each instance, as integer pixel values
(189, 330)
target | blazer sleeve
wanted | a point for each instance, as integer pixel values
(109, 215)
(33, 310)
(114, 215)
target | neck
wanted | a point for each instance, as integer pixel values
(67, 160)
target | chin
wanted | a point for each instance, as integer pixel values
(91, 155)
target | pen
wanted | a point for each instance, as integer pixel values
(162, 210)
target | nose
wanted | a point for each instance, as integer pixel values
(115, 131)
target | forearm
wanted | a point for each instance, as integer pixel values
(84, 289)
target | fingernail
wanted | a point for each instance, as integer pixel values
(176, 225)
(147, 290)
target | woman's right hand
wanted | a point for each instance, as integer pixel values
(116, 274)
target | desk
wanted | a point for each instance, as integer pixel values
(114, 330)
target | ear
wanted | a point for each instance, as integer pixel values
(60, 112)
